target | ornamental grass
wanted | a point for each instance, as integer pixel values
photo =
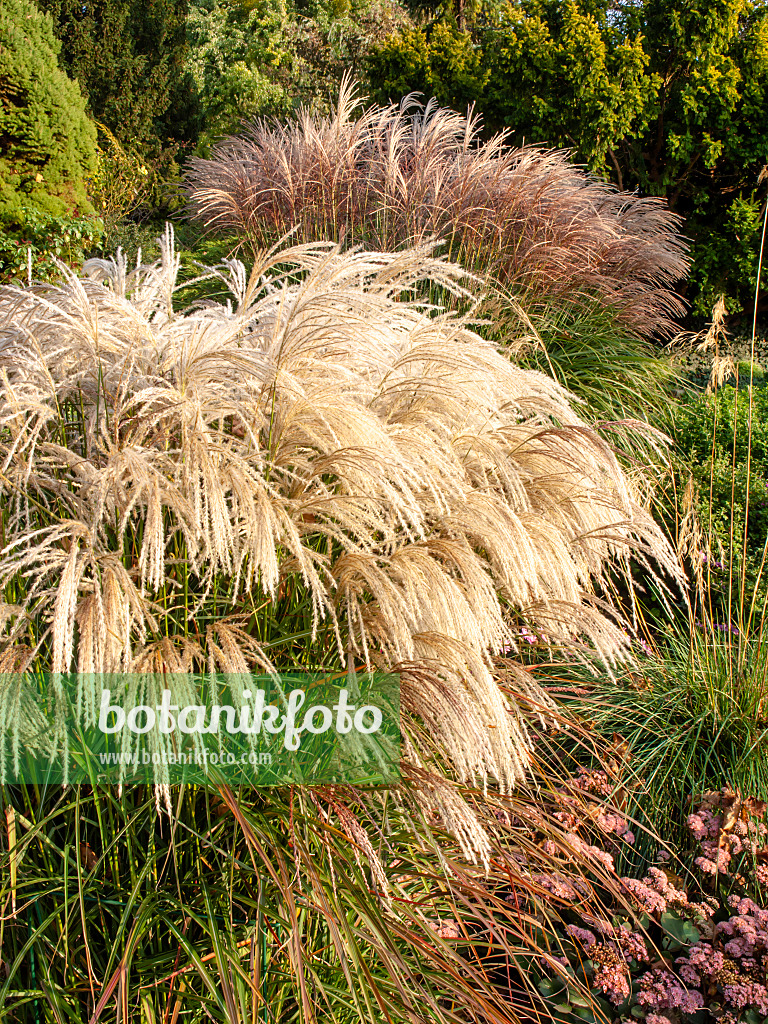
(326, 470)
(393, 176)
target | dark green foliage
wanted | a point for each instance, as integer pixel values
(667, 96)
(708, 135)
(47, 143)
(129, 58)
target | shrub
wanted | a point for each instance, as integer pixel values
(129, 58)
(630, 89)
(47, 144)
(41, 241)
(121, 183)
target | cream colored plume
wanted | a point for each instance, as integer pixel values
(324, 430)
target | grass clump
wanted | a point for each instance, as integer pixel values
(163, 470)
(695, 718)
(402, 174)
(583, 261)
(694, 712)
(325, 471)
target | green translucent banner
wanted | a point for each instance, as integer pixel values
(298, 728)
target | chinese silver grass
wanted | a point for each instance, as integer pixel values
(327, 430)
(397, 175)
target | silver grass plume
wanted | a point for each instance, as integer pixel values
(324, 429)
(393, 176)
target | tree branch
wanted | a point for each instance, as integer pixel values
(612, 155)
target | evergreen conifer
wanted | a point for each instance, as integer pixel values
(47, 142)
(129, 57)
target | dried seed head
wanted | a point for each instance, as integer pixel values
(324, 432)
